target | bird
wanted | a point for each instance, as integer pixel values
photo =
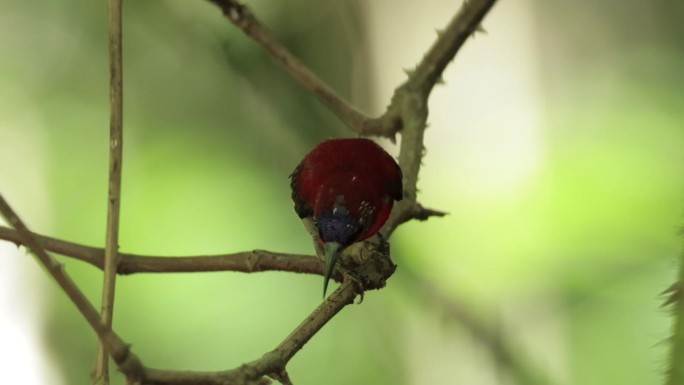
(344, 190)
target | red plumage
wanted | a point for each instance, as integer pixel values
(347, 187)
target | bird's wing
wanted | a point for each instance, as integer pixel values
(302, 207)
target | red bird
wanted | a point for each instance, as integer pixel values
(346, 187)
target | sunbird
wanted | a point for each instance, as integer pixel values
(344, 190)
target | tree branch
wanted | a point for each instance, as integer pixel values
(422, 79)
(405, 213)
(407, 112)
(119, 350)
(409, 101)
(242, 17)
(464, 24)
(272, 362)
(246, 262)
(101, 371)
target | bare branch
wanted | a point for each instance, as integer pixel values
(410, 102)
(282, 377)
(422, 79)
(246, 262)
(119, 350)
(272, 362)
(242, 17)
(101, 371)
(464, 24)
(281, 355)
(407, 212)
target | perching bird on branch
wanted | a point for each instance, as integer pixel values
(344, 190)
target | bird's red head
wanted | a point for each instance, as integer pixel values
(347, 187)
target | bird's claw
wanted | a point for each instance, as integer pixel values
(354, 278)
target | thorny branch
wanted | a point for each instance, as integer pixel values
(407, 113)
(422, 79)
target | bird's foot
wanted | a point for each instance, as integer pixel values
(348, 274)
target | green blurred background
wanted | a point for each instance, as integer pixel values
(556, 147)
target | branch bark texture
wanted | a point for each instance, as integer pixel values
(111, 257)
(246, 262)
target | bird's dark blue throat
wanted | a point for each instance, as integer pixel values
(339, 227)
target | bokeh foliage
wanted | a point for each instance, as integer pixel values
(568, 263)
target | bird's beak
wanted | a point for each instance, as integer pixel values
(331, 252)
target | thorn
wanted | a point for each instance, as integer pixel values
(671, 299)
(671, 294)
(480, 29)
(408, 72)
(439, 32)
(440, 81)
(671, 289)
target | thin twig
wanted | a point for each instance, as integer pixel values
(409, 105)
(119, 350)
(246, 262)
(240, 15)
(422, 79)
(101, 371)
(405, 213)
